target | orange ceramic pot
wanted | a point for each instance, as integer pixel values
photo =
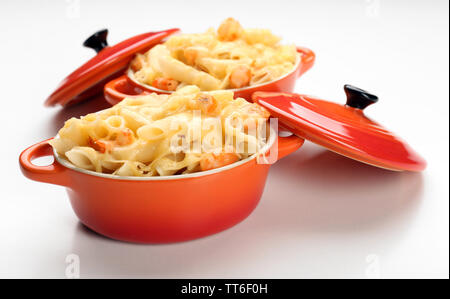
(159, 209)
(125, 86)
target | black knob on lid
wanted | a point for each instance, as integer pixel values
(97, 41)
(359, 98)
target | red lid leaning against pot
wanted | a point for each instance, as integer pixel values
(110, 62)
(343, 129)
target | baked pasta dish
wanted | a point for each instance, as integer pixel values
(159, 135)
(231, 57)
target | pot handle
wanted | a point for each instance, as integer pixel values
(54, 173)
(307, 59)
(288, 145)
(120, 88)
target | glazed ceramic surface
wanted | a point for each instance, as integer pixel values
(158, 209)
(343, 129)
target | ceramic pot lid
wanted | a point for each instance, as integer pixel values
(109, 62)
(343, 129)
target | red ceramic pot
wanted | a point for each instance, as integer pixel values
(159, 209)
(125, 86)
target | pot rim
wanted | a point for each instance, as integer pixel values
(130, 75)
(66, 163)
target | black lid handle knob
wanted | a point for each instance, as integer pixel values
(359, 98)
(97, 41)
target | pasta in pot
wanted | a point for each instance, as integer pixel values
(231, 57)
(159, 135)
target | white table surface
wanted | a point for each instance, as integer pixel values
(321, 215)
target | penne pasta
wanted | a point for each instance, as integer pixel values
(159, 135)
(231, 57)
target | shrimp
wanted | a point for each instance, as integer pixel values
(240, 77)
(258, 111)
(100, 146)
(211, 161)
(253, 116)
(193, 54)
(229, 30)
(124, 137)
(204, 102)
(165, 84)
(137, 63)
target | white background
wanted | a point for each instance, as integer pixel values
(321, 215)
